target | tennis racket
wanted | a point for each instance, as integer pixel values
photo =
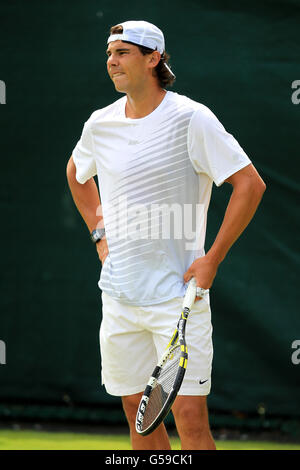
(167, 377)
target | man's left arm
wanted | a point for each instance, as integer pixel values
(248, 189)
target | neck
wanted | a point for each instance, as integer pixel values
(144, 102)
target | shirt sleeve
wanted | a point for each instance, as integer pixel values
(83, 155)
(212, 149)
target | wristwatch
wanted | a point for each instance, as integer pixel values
(97, 235)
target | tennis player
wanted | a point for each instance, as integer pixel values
(157, 154)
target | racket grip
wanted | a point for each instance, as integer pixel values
(190, 294)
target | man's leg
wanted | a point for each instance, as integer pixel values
(157, 440)
(191, 417)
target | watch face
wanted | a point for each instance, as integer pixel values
(100, 232)
(97, 235)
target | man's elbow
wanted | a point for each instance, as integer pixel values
(260, 187)
(255, 190)
(71, 171)
(251, 185)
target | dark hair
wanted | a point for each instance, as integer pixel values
(164, 76)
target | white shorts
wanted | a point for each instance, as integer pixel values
(133, 338)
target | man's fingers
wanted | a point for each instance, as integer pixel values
(102, 250)
(187, 276)
(103, 259)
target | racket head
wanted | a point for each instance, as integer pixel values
(162, 389)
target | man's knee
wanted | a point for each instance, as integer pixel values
(130, 406)
(190, 413)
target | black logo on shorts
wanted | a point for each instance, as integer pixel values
(201, 382)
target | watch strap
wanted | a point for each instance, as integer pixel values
(97, 235)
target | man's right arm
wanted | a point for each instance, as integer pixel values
(87, 200)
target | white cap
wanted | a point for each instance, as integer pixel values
(141, 33)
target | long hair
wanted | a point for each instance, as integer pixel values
(163, 73)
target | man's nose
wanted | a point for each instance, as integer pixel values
(112, 60)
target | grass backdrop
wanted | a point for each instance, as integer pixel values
(40, 440)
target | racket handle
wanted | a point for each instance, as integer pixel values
(190, 294)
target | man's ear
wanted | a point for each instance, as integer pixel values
(154, 58)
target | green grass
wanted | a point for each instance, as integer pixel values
(41, 440)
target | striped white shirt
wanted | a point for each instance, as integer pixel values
(155, 179)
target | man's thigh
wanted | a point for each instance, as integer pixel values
(128, 354)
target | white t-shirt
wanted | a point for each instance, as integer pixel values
(155, 179)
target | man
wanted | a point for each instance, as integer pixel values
(153, 150)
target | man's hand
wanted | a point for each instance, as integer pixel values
(102, 249)
(204, 270)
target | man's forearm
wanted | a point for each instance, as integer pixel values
(86, 197)
(248, 189)
(240, 210)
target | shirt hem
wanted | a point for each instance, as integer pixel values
(125, 391)
(143, 303)
(221, 180)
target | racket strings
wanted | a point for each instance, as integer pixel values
(163, 388)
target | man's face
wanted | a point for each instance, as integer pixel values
(127, 66)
